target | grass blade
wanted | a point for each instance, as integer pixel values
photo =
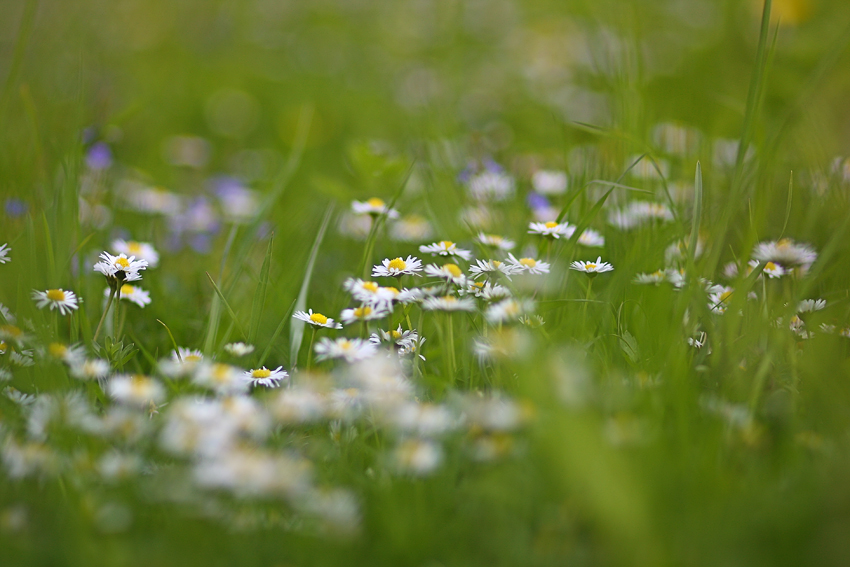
(259, 302)
(173, 342)
(296, 330)
(695, 223)
(227, 305)
(276, 333)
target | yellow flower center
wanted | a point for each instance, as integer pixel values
(122, 262)
(769, 266)
(495, 263)
(376, 203)
(346, 345)
(57, 350)
(318, 318)
(725, 295)
(362, 312)
(192, 358)
(219, 372)
(590, 266)
(261, 373)
(528, 262)
(395, 334)
(127, 289)
(138, 384)
(134, 247)
(479, 285)
(449, 299)
(370, 286)
(55, 295)
(446, 244)
(784, 243)
(658, 274)
(391, 289)
(551, 224)
(3, 347)
(397, 264)
(453, 270)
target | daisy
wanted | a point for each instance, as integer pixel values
(491, 186)
(375, 207)
(448, 303)
(316, 319)
(496, 241)
(73, 355)
(140, 250)
(364, 313)
(551, 229)
(265, 377)
(638, 213)
(417, 294)
(222, 378)
(549, 182)
(448, 272)
(418, 457)
(92, 369)
(64, 301)
(719, 298)
(411, 228)
(137, 390)
(589, 238)
(238, 349)
(786, 252)
(4, 254)
(187, 355)
(351, 350)
(655, 277)
(507, 310)
(484, 268)
(133, 294)
(529, 265)
(398, 267)
(811, 305)
(445, 248)
(592, 268)
(771, 269)
(120, 268)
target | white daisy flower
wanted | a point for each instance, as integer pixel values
(316, 319)
(448, 272)
(507, 310)
(137, 390)
(485, 268)
(549, 182)
(72, 355)
(637, 213)
(448, 303)
(187, 355)
(493, 292)
(265, 377)
(697, 342)
(223, 378)
(22, 358)
(406, 342)
(298, 405)
(373, 206)
(418, 457)
(785, 252)
(351, 350)
(496, 241)
(551, 229)
(718, 299)
(397, 267)
(4, 254)
(238, 349)
(811, 305)
(676, 277)
(771, 269)
(445, 248)
(364, 313)
(133, 294)
(140, 250)
(589, 238)
(529, 265)
(591, 267)
(92, 369)
(64, 301)
(491, 186)
(417, 294)
(120, 268)
(655, 277)
(644, 169)
(679, 250)
(411, 228)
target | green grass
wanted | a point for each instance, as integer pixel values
(634, 448)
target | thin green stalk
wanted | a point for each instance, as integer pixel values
(102, 317)
(310, 350)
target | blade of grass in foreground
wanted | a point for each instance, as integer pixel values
(260, 296)
(296, 330)
(227, 305)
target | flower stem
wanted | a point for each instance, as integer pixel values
(102, 317)
(584, 307)
(310, 350)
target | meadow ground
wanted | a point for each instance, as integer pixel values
(429, 283)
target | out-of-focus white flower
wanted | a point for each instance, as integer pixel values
(398, 267)
(136, 390)
(548, 182)
(141, 250)
(445, 248)
(316, 319)
(374, 206)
